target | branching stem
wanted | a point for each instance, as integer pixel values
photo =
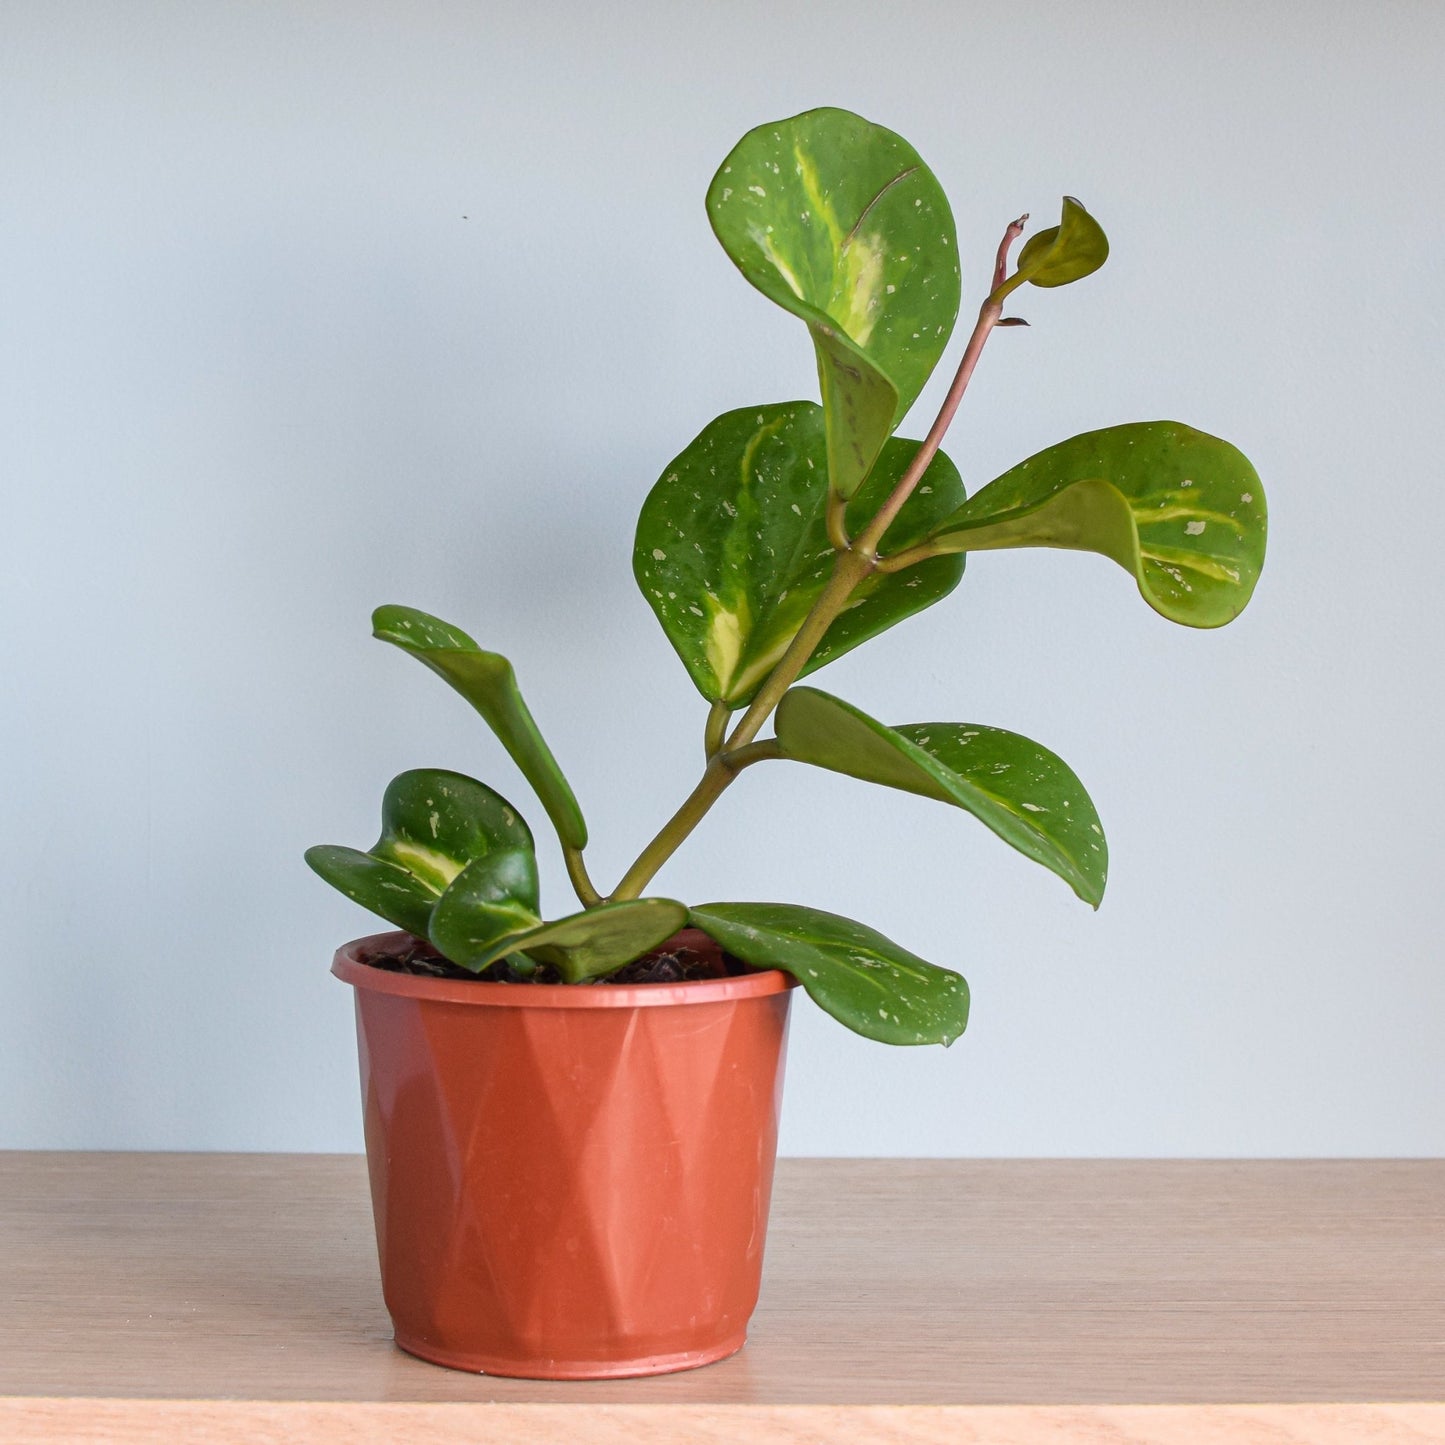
(856, 560)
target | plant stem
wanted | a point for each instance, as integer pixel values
(855, 561)
(581, 883)
(717, 725)
(871, 535)
(720, 771)
(848, 571)
(737, 759)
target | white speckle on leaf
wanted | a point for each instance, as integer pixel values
(1193, 529)
(1032, 808)
(1187, 482)
(757, 190)
(1246, 496)
(658, 555)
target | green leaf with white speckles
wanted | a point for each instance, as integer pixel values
(863, 979)
(487, 681)
(839, 222)
(489, 899)
(732, 546)
(433, 824)
(1028, 796)
(1182, 511)
(1073, 249)
(586, 945)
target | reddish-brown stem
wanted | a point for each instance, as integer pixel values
(988, 317)
(1000, 267)
(853, 563)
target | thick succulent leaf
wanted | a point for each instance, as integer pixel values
(839, 222)
(1026, 794)
(586, 945)
(864, 980)
(487, 681)
(732, 546)
(1075, 248)
(490, 899)
(434, 823)
(385, 888)
(1182, 510)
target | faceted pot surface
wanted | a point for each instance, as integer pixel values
(569, 1182)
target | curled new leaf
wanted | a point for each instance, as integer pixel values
(1075, 248)
(586, 945)
(1026, 794)
(732, 546)
(851, 971)
(839, 222)
(434, 824)
(487, 681)
(1182, 511)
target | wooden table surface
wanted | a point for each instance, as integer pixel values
(902, 1300)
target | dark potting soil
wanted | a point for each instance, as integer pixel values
(685, 957)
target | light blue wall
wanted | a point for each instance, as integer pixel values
(308, 307)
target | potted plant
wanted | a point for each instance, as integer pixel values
(571, 1120)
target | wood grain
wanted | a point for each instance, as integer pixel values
(143, 1422)
(888, 1283)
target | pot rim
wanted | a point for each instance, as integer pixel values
(349, 969)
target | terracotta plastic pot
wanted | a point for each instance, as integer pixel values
(569, 1182)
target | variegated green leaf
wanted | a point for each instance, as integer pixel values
(839, 222)
(487, 681)
(1026, 794)
(863, 979)
(488, 899)
(434, 823)
(586, 945)
(386, 889)
(732, 546)
(1075, 248)
(1181, 510)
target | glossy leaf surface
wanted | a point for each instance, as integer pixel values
(1075, 248)
(487, 681)
(434, 823)
(585, 945)
(732, 546)
(1024, 793)
(490, 899)
(839, 222)
(851, 971)
(1183, 511)
(385, 888)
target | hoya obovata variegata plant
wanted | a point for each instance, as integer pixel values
(786, 534)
